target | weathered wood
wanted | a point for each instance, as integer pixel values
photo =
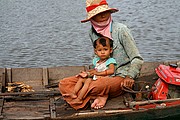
(117, 102)
(26, 110)
(45, 76)
(58, 73)
(148, 68)
(42, 104)
(31, 93)
(27, 97)
(133, 103)
(171, 62)
(9, 75)
(1, 105)
(1, 83)
(52, 108)
(3, 80)
(53, 85)
(26, 74)
(103, 112)
(29, 76)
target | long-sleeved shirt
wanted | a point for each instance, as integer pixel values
(125, 51)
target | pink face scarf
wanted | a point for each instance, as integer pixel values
(103, 28)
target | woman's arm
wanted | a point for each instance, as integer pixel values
(133, 53)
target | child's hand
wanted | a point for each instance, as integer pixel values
(93, 72)
(82, 74)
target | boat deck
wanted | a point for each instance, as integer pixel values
(46, 106)
(47, 103)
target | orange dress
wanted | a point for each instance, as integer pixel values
(102, 86)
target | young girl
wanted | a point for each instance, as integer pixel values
(103, 64)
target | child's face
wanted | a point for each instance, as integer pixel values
(103, 52)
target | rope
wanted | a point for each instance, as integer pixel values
(130, 90)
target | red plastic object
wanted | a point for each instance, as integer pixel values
(169, 74)
(161, 90)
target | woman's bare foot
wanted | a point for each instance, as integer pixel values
(70, 95)
(99, 102)
(76, 101)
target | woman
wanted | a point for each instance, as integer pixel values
(127, 56)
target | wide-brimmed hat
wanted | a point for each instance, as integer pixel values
(94, 7)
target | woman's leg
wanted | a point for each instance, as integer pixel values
(99, 102)
(112, 88)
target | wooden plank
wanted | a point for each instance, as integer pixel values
(148, 68)
(26, 110)
(63, 109)
(29, 76)
(115, 103)
(52, 108)
(58, 73)
(50, 93)
(53, 85)
(9, 75)
(26, 98)
(3, 80)
(1, 72)
(45, 76)
(1, 106)
(1, 101)
(26, 74)
(0, 83)
(171, 62)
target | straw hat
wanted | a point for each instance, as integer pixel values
(94, 7)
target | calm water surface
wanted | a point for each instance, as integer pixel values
(47, 33)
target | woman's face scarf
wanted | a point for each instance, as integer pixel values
(103, 28)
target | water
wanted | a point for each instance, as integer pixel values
(47, 33)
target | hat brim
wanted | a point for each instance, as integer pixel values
(112, 10)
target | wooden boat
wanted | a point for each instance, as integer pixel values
(45, 101)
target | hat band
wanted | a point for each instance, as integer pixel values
(89, 8)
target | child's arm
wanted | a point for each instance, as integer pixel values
(82, 74)
(109, 71)
(85, 74)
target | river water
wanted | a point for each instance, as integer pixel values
(47, 33)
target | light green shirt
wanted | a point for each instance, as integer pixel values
(127, 56)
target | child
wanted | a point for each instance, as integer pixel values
(104, 66)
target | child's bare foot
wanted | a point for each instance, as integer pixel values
(70, 95)
(76, 101)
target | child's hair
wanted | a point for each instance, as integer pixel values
(102, 41)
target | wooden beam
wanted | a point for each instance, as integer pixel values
(1, 106)
(45, 76)
(3, 80)
(9, 75)
(52, 108)
(49, 93)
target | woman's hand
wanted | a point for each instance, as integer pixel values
(128, 82)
